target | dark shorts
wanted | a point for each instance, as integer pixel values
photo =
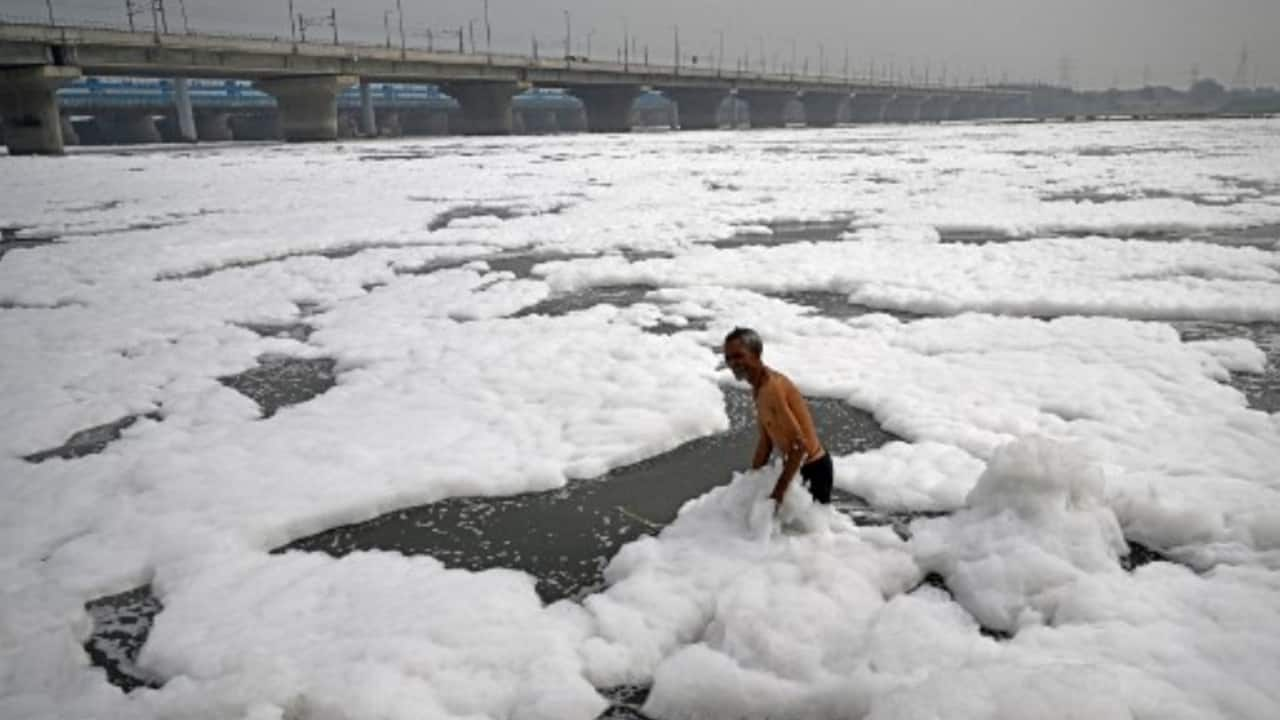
(818, 477)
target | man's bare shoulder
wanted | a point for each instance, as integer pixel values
(780, 385)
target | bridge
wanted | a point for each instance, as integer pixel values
(307, 79)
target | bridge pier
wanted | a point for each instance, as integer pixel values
(937, 108)
(905, 109)
(698, 108)
(308, 106)
(213, 126)
(69, 134)
(823, 109)
(127, 128)
(869, 107)
(368, 119)
(767, 109)
(608, 107)
(182, 108)
(29, 108)
(486, 106)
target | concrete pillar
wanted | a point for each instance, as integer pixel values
(486, 106)
(905, 109)
(29, 108)
(937, 108)
(69, 136)
(608, 107)
(182, 107)
(308, 106)
(127, 128)
(697, 108)
(368, 119)
(212, 126)
(768, 108)
(823, 109)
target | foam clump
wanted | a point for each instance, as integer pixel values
(772, 597)
(1035, 523)
(367, 635)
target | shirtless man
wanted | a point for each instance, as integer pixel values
(783, 416)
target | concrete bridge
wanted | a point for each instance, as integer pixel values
(306, 80)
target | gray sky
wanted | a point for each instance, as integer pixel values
(1103, 40)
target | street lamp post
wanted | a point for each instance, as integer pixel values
(293, 24)
(386, 26)
(471, 34)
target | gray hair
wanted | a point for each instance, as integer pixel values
(748, 337)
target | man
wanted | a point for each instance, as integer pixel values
(783, 416)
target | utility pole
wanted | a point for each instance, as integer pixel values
(333, 20)
(568, 36)
(822, 60)
(157, 7)
(400, 15)
(846, 62)
(131, 10)
(386, 26)
(293, 24)
(471, 34)
(488, 32)
(793, 57)
(676, 29)
(720, 55)
(590, 32)
(182, 8)
(626, 43)
(48, 4)
(764, 57)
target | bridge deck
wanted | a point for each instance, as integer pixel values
(115, 52)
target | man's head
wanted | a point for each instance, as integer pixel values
(742, 350)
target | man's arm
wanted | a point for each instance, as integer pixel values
(791, 446)
(793, 459)
(764, 446)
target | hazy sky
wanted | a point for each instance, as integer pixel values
(1101, 41)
